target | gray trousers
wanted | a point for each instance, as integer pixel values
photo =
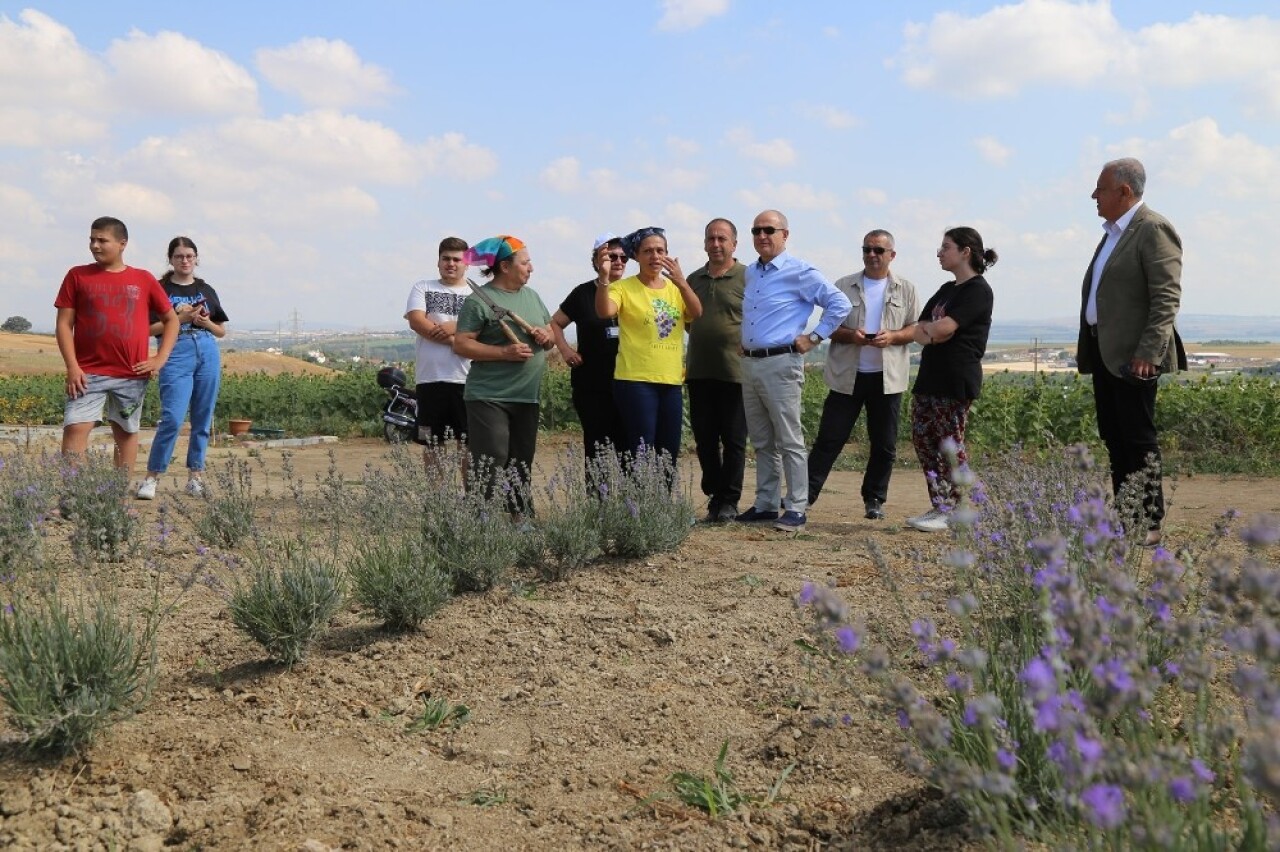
(771, 390)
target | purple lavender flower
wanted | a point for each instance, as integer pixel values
(1261, 531)
(848, 639)
(1201, 771)
(1182, 789)
(1104, 805)
(1007, 760)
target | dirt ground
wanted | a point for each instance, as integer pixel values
(585, 696)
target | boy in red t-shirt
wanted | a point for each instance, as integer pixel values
(103, 332)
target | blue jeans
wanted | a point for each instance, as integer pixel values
(188, 380)
(652, 414)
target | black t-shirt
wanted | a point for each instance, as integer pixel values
(597, 338)
(954, 369)
(186, 294)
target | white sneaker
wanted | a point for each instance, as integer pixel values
(147, 489)
(931, 521)
(195, 487)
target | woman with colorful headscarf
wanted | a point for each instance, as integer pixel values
(504, 328)
(653, 307)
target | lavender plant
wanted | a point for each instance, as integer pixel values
(567, 535)
(70, 666)
(641, 510)
(95, 496)
(286, 598)
(225, 516)
(398, 578)
(1069, 694)
(26, 499)
(470, 529)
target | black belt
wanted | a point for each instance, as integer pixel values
(789, 349)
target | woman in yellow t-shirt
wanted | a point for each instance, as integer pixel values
(653, 307)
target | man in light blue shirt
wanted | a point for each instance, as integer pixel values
(781, 294)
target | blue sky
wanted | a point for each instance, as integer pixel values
(318, 152)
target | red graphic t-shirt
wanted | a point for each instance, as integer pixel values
(113, 316)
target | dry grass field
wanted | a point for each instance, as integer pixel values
(37, 354)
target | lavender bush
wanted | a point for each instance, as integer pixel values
(1077, 693)
(641, 509)
(96, 497)
(26, 498)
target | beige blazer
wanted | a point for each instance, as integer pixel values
(1138, 298)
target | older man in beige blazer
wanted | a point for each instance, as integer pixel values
(1127, 337)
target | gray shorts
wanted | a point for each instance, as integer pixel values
(122, 399)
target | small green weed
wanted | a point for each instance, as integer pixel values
(485, 797)
(437, 712)
(718, 794)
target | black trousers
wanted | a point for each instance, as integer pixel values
(720, 438)
(839, 415)
(1127, 425)
(601, 423)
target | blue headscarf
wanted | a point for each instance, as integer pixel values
(631, 242)
(489, 252)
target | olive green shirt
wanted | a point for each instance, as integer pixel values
(504, 381)
(715, 338)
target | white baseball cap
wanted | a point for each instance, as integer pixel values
(604, 239)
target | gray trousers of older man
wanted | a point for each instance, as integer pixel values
(771, 389)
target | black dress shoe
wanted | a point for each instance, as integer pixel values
(875, 510)
(726, 513)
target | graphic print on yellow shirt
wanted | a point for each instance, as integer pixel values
(651, 324)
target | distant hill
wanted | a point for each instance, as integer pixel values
(37, 354)
(1190, 326)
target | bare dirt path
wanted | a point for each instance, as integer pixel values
(585, 695)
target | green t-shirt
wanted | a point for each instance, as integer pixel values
(504, 381)
(715, 338)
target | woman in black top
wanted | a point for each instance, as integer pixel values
(953, 330)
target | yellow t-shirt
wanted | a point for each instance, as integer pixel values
(651, 332)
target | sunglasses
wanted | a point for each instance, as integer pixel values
(877, 250)
(768, 230)
(617, 258)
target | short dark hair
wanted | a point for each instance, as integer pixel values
(733, 229)
(614, 243)
(881, 232)
(112, 224)
(979, 258)
(453, 244)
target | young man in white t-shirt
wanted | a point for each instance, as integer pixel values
(440, 375)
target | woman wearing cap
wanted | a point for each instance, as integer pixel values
(652, 309)
(508, 358)
(592, 364)
(953, 330)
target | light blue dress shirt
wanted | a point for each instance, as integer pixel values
(779, 299)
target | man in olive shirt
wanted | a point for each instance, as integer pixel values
(714, 372)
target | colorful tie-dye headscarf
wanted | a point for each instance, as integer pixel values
(631, 242)
(488, 253)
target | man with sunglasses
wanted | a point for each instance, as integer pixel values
(781, 295)
(1131, 294)
(868, 365)
(714, 374)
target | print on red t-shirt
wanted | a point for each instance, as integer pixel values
(113, 316)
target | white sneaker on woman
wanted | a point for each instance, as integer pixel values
(931, 521)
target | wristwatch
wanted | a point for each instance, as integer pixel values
(815, 338)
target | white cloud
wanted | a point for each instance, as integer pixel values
(830, 116)
(990, 149)
(20, 206)
(324, 73)
(134, 202)
(870, 195)
(1019, 44)
(325, 142)
(682, 147)
(171, 73)
(680, 15)
(775, 152)
(52, 91)
(1056, 42)
(563, 175)
(1198, 154)
(789, 196)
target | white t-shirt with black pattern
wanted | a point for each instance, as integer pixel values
(441, 303)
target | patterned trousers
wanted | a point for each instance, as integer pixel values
(934, 419)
